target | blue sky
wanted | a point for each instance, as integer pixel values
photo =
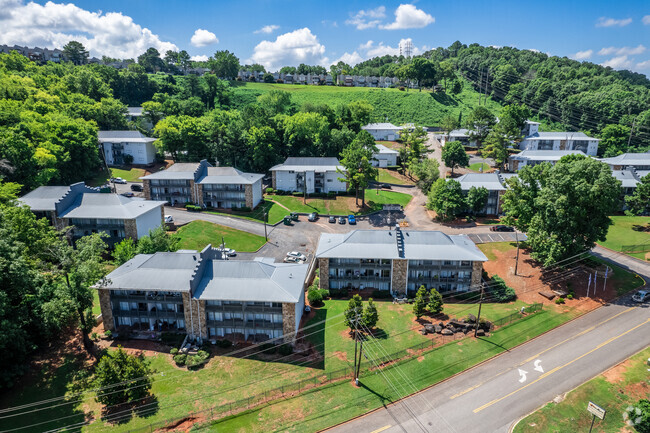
(275, 33)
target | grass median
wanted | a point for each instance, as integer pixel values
(197, 234)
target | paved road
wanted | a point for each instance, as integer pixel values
(493, 396)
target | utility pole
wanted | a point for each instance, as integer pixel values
(266, 238)
(356, 377)
(478, 318)
(480, 86)
(517, 259)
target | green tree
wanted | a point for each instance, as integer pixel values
(454, 155)
(420, 302)
(153, 111)
(613, 140)
(263, 146)
(426, 171)
(158, 240)
(268, 78)
(184, 60)
(435, 301)
(182, 136)
(496, 147)
(414, 140)
(370, 315)
(446, 199)
(150, 60)
(75, 52)
(639, 202)
(353, 315)
(550, 204)
(477, 199)
(224, 64)
(275, 102)
(449, 123)
(306, 134)
(479, 122)
(118, 370)
(640, 416)
(356, 160)
(124, 251)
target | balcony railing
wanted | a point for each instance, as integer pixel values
(154, 314)
(147, 298)
(250, 324)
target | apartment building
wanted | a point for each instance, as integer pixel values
(626, 161)
(534, 157)
(310, 175)
(383, 131)
(493, 182)
(117, 144)
(202, 184)
(204, 295)
(534, 139)
(398, 261)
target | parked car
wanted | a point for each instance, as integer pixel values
(228, 252)
(312, 217)
(332, 219)
(641, 296)
(169, 219)
(118, 180)
(128, 194)
(501, 228)
(298, 255)
(386, 186)
(352, 219)
(136, 187)
(290, 259)
(341, 220)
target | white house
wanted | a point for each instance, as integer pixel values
(310, 175)
(534, 157)
(461, 135)
(383, 131)
(117, 144)
(537, 140)
(384, 157)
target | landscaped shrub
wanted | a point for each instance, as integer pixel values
(339, 293)
(315, 298)
(285, 349)
(559, 301)
(269, 190)
(325, 293)
(224, 343)
(569, 296)
(203, 354)
(192, 208)
(180, 359)
(194, 361)
(500, 292)
(108, 333)
(174, 351)
(381, 294)
(244, 209)
(297, 194)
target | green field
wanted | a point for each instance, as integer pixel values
(571, 414)
(274, 210)
(131, 175)
(388, 176)
(477, 167)
(197, 234)
(621, 233)
(397, 106)
(342, 205)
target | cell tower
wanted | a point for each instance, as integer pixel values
(406, 48)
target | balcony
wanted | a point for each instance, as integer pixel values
(250, 324)
(154, 314)
(147, 298)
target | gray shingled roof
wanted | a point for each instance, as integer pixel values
(385, 125)
(109, 206)
(252, 280)
(179, 170)
(229, 175)
(160, 271)
(642, 173)
(381, 149)
(316, 164)
(490, 181)
(382, 244)
(123, 136)
(44, 198)
(134, 111)
(629, 159)
(462, 132)
(576, 136)
(627, 177)
(545, 155)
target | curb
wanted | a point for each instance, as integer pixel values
(623, 254)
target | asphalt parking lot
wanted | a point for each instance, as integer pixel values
(484, 238)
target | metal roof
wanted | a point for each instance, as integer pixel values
(545, 155)
(642, 173)
(229, 175)
(134, 111)
(123, 136)
(627, 177)
(462, 132)
(575, 136)
(317, 164)
(382, 244)
(490, 181)
(629, 159)
(179, 170)
(109, 206)
(385, 125)
(381, 149)
(160, 271)
(252, 280)
(44, 198)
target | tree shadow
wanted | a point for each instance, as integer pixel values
(379, 334)
(444, 99)
(123, 413)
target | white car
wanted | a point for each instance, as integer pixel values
(119, 180)
(291, 259)
(228, 251)
(641, 296)
(297, 255)
(169, 219)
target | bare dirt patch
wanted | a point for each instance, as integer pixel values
(183, 425)
(341, 355)
(420, 358)
(615, 374)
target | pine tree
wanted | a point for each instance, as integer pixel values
(354, 312)
(370, 315)
(435, 301)
(420, 304)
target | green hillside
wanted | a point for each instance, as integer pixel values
(397, 106)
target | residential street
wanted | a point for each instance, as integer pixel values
(494, 395)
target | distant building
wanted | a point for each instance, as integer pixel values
(537, 140)
(117, 144)
(203, 185)
(383, 131)
(637, 161)
(89, 211)
(205, 295)
(493, 182)
(398, 261)
(310, 175)
(461, 135)
(534, 157)
(36, 54)
(384, 157)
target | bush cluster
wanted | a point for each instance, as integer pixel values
(192, 208)
(180, 359)
(285, 349)
(224, 343)
(500, 291)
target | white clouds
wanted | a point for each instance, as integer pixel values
(298, 46)
(370, 50)
(583, 55)
(646, 20)
(54, 25)
(202, 37)
(366, 19)
(643, 65)
(409, 17)
(623, 51)
(619, 62)
(201, 58)
(268, 29)
(350, 59)
(612, 22)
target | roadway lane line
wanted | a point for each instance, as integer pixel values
(386, 427)
(537, 355)
(548, 373)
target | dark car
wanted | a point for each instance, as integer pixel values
(502, 229)
(128, 194)
(341, 220)
(332, 219)
(136, 187)
(312, 217)
(387, 186)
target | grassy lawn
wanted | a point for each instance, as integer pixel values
(395, 145)
(571, 414)
(197, 234)
(275, 213)
(622, 233)
(342, 205)
(477, 167)
(502, 247)
(387, 176)
(131, 175)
